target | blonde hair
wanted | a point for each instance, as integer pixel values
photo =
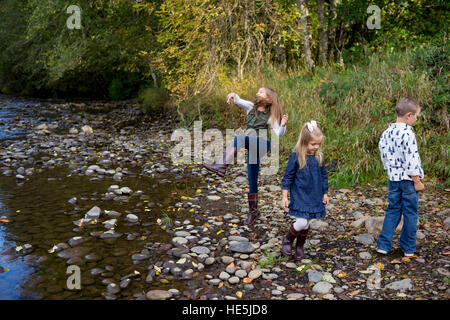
(304, 138)
(273, 102)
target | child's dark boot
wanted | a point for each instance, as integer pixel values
(286, 244)
(301, 238)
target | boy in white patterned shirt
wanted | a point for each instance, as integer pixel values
(401, 159)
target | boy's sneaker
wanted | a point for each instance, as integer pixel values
(409, 254)
(381, 251)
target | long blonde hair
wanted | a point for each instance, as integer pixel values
(304, 138)
(276, 112)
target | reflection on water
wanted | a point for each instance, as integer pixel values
(40, 215)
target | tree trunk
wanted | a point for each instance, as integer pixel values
(332, 31)
(323, 36)
(305, 32)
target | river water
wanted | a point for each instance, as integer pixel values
(38, 213)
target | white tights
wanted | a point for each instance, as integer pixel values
(301, 224)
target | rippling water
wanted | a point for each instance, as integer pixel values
(41, 215)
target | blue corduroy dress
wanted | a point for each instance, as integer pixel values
(306, 187)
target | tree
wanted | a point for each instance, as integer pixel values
(305, 32)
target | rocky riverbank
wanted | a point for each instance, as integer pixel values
(202, 249)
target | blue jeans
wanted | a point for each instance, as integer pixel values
(257, 147)
(403, 198)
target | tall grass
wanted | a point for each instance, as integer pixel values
(353, 105)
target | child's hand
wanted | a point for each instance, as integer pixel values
(284, 203)
(419, 186)
(325, 200)
(230, 97)
(284, 120)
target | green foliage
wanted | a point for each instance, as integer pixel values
(352, 105)
(153, 99)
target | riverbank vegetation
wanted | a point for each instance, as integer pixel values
(327, 60)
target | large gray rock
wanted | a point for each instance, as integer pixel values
(322, 287)
(241, 247)
(365, 238)
(401, 285)
(375, 224)
(73, 252)
(314, 276)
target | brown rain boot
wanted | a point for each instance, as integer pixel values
(253, 212)
(301, 238)
(286, 244)
(220, 168)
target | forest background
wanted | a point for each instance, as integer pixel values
(343, 63)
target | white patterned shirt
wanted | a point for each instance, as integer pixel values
(399, 153)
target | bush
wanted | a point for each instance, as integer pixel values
(153, 99)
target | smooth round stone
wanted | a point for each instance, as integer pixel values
(233, 280)
(158, 295)
(224, 276)
(200, 250)
(322, 287)
(73, 252)
(112, 288)
(254, 274)
(241, 247)
(227, 259)
(209, 261)
(179, 241)
(182, 234)
(241, 273)
(214, 282)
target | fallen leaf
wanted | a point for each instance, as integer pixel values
(220, 285)
(239, 294)
(4, 220)
(52, 249)
(380, 266)
(446, 253)
(406, 259)
(353, 293)
(247, 280)
(342, 275)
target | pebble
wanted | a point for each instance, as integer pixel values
(254, 274)
(200, 250)
(158, 295)
(322, 287)
(233, 280)
(365, 255)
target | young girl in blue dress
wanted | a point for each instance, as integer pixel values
(306, 181)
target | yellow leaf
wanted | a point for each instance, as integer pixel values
(380, 266)
(192, 210)
(219, 232)
(239, 294)
(220, 285)
(199, 191)
(143, 237)
(18, 211)
(342, 275)
(247, 280)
